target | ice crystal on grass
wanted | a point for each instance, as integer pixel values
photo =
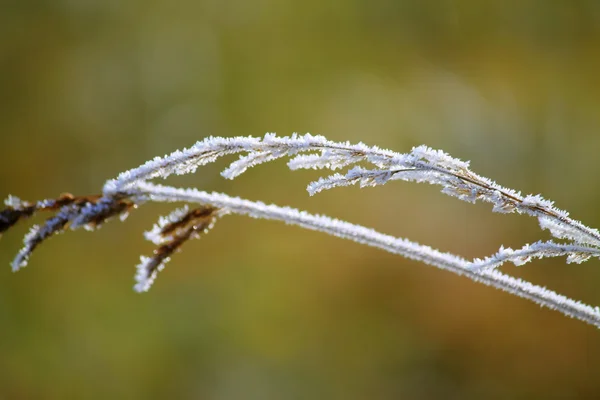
(575, 254)
(170, 233)
(366, 166)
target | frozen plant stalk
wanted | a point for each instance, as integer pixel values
(366, 166)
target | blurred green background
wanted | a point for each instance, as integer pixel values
(260, 310)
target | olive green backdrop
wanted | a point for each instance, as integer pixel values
(260, 310)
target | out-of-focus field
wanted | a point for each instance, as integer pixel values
(260, 310)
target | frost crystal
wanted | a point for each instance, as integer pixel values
(366, 166)
(13, 201)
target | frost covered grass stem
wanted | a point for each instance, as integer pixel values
(133, 188)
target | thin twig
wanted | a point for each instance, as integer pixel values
(132, 188)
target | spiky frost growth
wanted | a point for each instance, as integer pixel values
(575, 254)
(170, 233)
(377, 167)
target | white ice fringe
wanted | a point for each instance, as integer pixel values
(575, 254)
(143, 281)
(39, 233)
(155, 234)
(13, 201)
(370, 237)
(422, 164)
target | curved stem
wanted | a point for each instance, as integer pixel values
(370, 237)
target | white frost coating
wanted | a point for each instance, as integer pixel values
(22, 256)
(293, 216)
(335, 180)
(329, 159)
(575, 254)
(37, 234)
(370, 237)
(155, 234)
(143, 281)
(574, 231)
(149, 267)
(438, 157)
(422, 164)
(181, 162)
(431, 166)
(208, 150)
(46, 203)
(87, 213)
(13, 201)
(368, 177)
(240, 166)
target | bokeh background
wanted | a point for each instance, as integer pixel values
(260, 310)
